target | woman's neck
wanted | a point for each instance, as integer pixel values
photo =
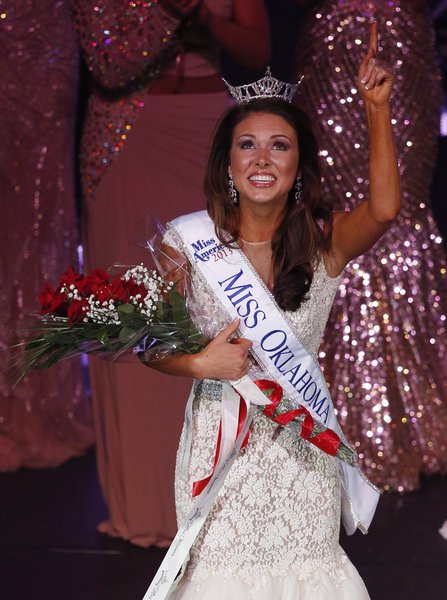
(260, 224)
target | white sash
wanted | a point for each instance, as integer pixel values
(276, 347)
(282, 356)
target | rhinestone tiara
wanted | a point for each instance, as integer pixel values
(267, 87)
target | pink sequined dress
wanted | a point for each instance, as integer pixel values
(385, 350)
(142, 153)
(46, 419)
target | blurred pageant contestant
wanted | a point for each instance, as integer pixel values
(44, 420)
(385, 351)
(270, 253)
(156, 98)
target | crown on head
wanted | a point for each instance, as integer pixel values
(267, 87)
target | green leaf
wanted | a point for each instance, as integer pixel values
(125, 308)
(103, 336)
(126, 334)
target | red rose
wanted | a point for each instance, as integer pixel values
(70, 277)
(96, 281)
(83, 286)
(51, 301)
(135, 288)
(104, 293)
(119, 291)
(76, 311)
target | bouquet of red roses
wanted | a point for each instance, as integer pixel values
(138, 313)
(95, 313)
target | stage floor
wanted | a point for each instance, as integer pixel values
(49, 548)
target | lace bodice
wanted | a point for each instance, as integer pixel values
(278, 511)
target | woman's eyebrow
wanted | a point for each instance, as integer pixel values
(274, 135)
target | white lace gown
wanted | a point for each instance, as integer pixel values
(273, 533)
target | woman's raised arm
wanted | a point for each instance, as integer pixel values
(357, 231)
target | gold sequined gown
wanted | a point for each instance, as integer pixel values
(385, 352)
(46, 419)
(141, 154)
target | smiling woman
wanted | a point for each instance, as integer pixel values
(263, 165)
(268, 527)
(271, 139)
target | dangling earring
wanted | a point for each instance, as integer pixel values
(299, 190)
(232, 191)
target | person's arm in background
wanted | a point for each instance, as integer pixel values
(121, 40)
(246, 37)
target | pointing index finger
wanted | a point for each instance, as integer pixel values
(373, 37)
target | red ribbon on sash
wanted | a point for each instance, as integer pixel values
(327, 440)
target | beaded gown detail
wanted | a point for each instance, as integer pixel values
(385, 349)
(274, 530)
(46, 419)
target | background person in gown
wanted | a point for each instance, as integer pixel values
(156, 96)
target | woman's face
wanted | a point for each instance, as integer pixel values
(264, 159)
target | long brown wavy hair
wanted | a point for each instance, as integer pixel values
(298, 242)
